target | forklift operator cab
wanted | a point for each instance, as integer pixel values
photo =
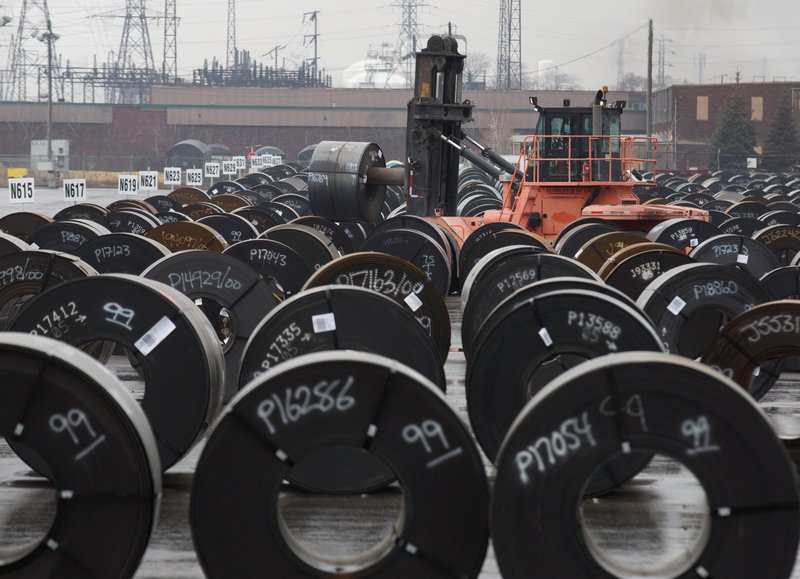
(570, 149)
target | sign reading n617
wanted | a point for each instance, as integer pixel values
(74, 189)
(21, 190)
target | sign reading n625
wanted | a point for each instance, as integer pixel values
(21, 190)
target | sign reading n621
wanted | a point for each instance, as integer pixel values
(21, 190)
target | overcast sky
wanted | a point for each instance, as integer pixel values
(759, 38)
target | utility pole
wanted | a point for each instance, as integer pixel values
(275, 50)
(49, 94)
(649, 124)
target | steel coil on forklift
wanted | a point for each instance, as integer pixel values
(743, 252)
(66, 409)
(338, 187)
(398, 279)
(121, 253)
(502, 272)
(158, 326)
(358, 401)
(650, 403)
(232, 295)
(276, 261)
(340, 318)
(536, 338)
(631, 269)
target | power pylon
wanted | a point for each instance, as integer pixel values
(27, 54)
(408, 42)
(509, 46)
(169, 68)
(230, 52)
(135, 65)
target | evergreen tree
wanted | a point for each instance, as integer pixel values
(735, 136)
(782, 147)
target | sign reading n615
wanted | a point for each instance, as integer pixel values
(21, 190)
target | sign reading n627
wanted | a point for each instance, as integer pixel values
(21, 190)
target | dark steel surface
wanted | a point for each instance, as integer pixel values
(655, 516)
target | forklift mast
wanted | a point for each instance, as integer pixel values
(435, 114)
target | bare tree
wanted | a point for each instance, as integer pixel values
(476, 70)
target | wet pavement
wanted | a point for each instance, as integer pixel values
(645, 528)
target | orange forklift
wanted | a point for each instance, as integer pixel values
(576, 165)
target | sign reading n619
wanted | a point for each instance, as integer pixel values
(21, 190)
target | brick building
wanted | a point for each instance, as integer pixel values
(131, 137)
(690, 113)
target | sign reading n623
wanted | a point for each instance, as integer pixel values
(21, 190)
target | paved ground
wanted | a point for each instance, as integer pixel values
(655, 517)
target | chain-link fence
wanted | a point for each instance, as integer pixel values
(98, 170)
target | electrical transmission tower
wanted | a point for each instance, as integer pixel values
(509, 46)
(169, 68)
(27, 54)
(230, 52)
(135, 67)
(408, 42)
